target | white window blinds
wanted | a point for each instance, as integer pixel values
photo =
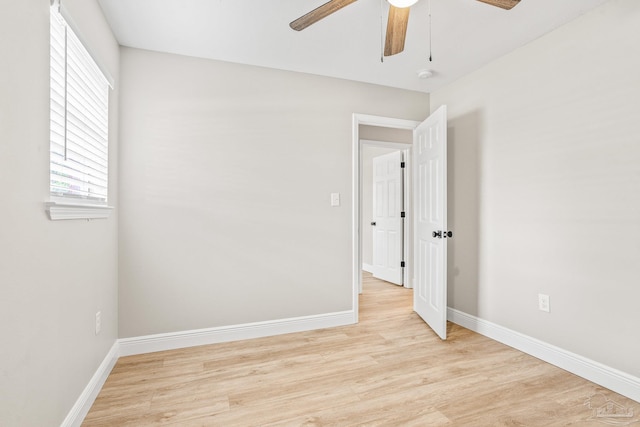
(79, 118)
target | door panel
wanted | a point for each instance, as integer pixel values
(430, 190)
(387, 206)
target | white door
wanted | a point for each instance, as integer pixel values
(430, 216)
(387, 221)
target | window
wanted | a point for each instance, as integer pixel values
(78, 123)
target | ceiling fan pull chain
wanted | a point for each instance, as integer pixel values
(382, 31)
(430, 58)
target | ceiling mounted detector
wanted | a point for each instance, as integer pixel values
(425, 74)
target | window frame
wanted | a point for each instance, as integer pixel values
(66, 205)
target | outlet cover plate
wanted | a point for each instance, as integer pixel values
(543, 302)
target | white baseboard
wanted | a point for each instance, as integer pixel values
(613, 379)
(175, 340)
(171, 341)
(620, 382)
(83, 404)
(367, 267)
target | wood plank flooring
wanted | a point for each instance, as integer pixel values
(388, 370)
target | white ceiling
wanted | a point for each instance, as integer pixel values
(466, 34)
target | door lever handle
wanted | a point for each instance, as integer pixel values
(373, 223)
(442, 234)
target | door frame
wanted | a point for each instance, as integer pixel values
(356, 201)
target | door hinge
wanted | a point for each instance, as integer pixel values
(402, 214)
(401, 263)
(402, 165)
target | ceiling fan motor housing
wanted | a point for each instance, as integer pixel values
(402, 3)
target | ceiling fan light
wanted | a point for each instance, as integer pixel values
(402, 3)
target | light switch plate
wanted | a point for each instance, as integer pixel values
(335, 199)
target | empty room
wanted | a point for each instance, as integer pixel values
(372, 212)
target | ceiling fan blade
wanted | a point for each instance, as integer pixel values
(318, 13)
(396, 30)
(505, 4)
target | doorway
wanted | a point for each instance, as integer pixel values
(429, 231)
(360, 121)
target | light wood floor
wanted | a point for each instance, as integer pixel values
(390, 369)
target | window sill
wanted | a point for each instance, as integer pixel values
(66, 210)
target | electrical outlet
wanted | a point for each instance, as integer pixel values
(543, 302)
(98, 322)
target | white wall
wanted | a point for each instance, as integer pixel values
(380, 133)
(54, 276)
(545, 187)
(226, 174)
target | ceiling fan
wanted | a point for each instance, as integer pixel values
(396, 23)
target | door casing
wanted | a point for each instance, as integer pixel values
(356, 222)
